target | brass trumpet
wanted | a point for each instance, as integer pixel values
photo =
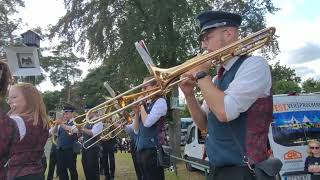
(52, 123)
(167, 78)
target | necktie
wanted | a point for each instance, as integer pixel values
(220, 72)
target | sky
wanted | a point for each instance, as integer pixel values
(297, 24)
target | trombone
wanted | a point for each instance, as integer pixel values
(112, 130)
(80, 120)
(167, 78)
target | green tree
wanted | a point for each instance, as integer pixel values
(284, 79)
(311, 85)
(285, 87)
(8, 24)
(51, 99)
(106, 30)
(62, 67)
(92, 89)
(284, 73)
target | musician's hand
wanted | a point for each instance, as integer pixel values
(59, 121)
(80, 130)
(80, 139)
(187, 85)
(136, 108)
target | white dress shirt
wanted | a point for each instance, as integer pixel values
(251, 81)
(158, 110)
(20, 124)
(128, 128)
(97, 128)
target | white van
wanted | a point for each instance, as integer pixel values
(296, 119)
(194, 148)
(185, 122)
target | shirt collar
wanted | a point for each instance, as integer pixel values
(70, 120)
(229, 63)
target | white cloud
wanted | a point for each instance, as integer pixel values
(299, 39)
(41, 12)
(307, 53)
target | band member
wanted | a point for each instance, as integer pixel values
(29, 113)
(108, 160)
(237, 101)
(90, 156)
(8, 128)
(145, 123)
(65, 143)
(133, 139)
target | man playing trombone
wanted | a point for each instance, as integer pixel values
(90, 156)
(238, 102)
(146, 121)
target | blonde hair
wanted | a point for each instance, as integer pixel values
(5, 79)
(36, 107)
(309, 144)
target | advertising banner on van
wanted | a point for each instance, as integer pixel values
(296, 120)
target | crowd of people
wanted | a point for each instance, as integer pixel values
(236, 113)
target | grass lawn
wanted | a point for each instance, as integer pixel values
(125, 170)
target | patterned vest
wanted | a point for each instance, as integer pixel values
(25, 156)
(251, 129)
(9, 134)
(65, 141)
(148, 136)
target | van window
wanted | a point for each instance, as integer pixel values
(185, 124)
(201, 136)
(192, 135)
(296, 127)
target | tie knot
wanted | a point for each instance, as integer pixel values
(220, 72)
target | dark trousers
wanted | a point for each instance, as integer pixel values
(31, 177)
(53, 160)
(147, 162)
(108, 160)
(315, 177)
(67, 161)
(90, 163)
(135, 163)
(231, 173)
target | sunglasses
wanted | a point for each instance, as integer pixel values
(314, 147)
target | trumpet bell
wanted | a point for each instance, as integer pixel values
(79, 121)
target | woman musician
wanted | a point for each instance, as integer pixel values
(29, 113)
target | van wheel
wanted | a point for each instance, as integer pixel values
(189, 167)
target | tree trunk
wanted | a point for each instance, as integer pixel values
(68, 93)
(175, 127)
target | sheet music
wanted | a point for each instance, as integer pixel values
(145, 55)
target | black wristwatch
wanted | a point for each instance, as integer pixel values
(200, 75)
